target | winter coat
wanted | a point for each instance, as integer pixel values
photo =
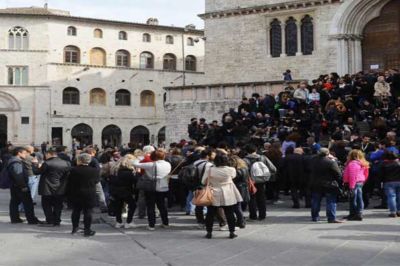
(122, 184)
(16, 172)
(354, 173)
(82, 185)
(382, 89)
(53, 177)
(390, 171)
(324, 172)
(224, 190)
(293, 170)
(163, 169)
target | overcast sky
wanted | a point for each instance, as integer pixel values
(168, 12)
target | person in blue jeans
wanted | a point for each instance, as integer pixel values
(390, 174)
(324, 181)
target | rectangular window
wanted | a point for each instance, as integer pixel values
(25, 120)
(18, 75)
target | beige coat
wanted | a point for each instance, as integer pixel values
(382, 89)
(224, 190)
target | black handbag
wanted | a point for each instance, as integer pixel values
(148, 183)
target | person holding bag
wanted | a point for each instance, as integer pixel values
(225, 193)
(154, 183)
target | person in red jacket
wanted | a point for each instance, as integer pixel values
(355, 175)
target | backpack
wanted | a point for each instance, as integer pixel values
(191, 176)
(5, 179)
(259, 172)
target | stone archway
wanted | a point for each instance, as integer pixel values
(347, 30)
(9, 115)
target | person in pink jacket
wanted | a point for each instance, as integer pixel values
(355, 175)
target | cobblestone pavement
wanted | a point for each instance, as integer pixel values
(287, 237)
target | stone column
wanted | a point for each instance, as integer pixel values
(358, 56)
(268, 43)
(283, 54)
(298, 24)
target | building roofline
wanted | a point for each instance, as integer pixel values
(105, 21)
(266, 8)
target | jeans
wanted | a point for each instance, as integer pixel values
(52, 208)
(189, 206)
(100, 196)
(331, 199)
(257, 202)
(33, 184)
(119, 204)
(18, 197)
(237, 209)
(356, 200)
(392, 190)
(153, 199)
(230, 217)
(76, 215)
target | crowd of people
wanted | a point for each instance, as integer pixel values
(306, 142)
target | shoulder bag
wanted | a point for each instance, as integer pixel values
(204, 196)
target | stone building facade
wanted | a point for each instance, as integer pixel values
(255, 41)
(95, 81)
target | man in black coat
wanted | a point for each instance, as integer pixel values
(52, 186)
(325, 180)
(19, 189)
(81, 192)
(293, 169)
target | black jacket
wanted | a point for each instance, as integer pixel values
(293, 170)
(16, 172)
(176, 162)
(53, 177)
(323, 172)
(82, 186)
(390, 171)
(121, 185)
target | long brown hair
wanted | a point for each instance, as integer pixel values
(357, 155)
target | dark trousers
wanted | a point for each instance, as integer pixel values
(177, 193)
(199, 212)
(257, 202)
(76, 215)
(52, 208)
(230, 217)
(153, 199)
(237, 209)
(18, 197)
(119, 204)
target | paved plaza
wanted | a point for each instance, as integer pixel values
(286, 238)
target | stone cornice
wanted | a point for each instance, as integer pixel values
(300, 4)
(23, 51)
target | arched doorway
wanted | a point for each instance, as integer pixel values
(82, 135)
(381, 42)
(140, 136)
(347, 29)
(161, 136)
(3, 131)
(111, 136)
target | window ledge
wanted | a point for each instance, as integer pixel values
(24, 51)
(125, 68)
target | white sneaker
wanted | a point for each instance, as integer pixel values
(201, 226)
(125, 215)
(223, 228)
(130, 225)
(118, 225)
(150, 228)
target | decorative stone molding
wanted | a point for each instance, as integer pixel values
(292, 5)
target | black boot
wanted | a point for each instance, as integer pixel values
(89, 233)
(232, 235)
(208, 235)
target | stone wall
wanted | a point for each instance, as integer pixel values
(237, 47)
(209, 102)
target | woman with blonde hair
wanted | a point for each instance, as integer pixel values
(122, 184)
(355, 175)
(241, 179)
